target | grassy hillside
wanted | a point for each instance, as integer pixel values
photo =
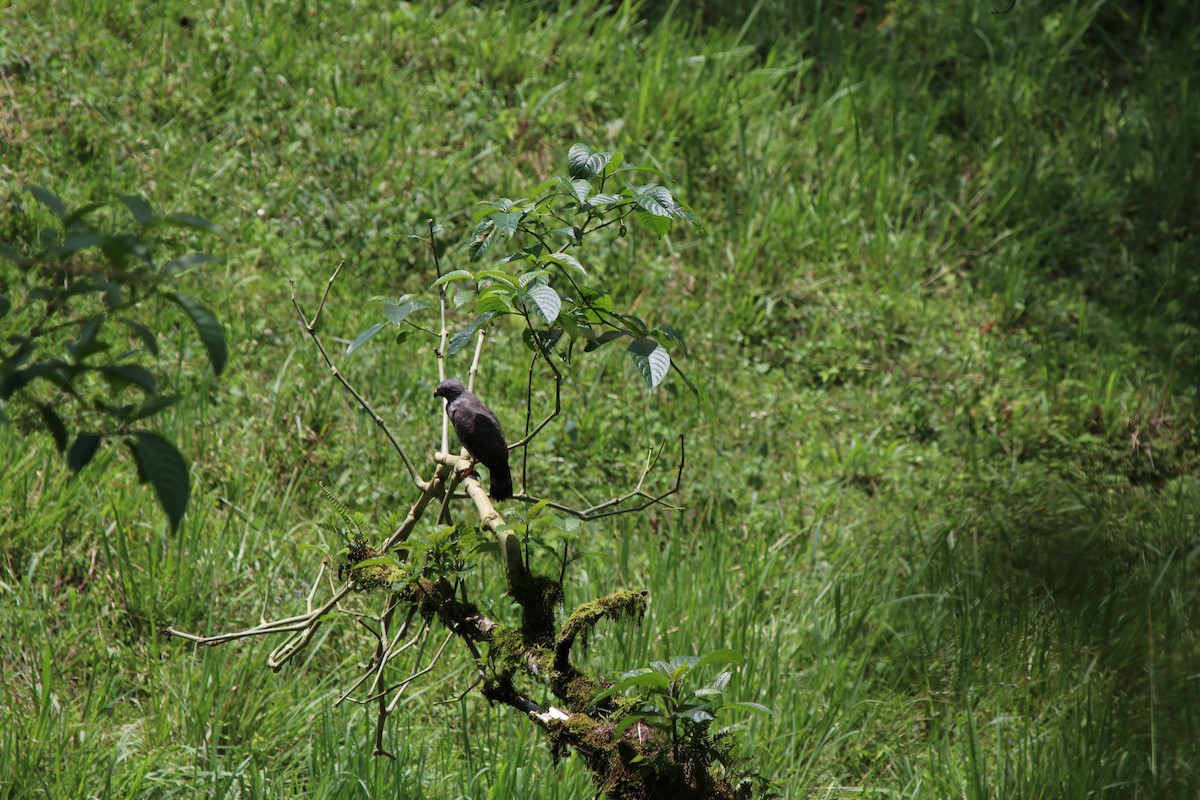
(942, 479)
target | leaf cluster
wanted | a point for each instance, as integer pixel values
(529, 273)
(80, 339)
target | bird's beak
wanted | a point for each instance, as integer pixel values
(437, 393)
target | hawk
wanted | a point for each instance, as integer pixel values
(479, 431)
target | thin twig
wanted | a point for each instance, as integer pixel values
(440, 353)
(597, 511)
(475, 360)
(557, 410)
(372, 668)
(328, 288)
(310, 327)
(403, 685)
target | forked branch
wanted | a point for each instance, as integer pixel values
(310, 326)
(609, 508)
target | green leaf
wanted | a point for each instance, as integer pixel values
(498, 275)
(187, 261)
(190, 221)
(574, 325)
(657, 225)
(655, 199)
(398, 312)
(685, 212)
(579, 190)
(82, 450)
(77, 242)
(569, 264)
(5, 305)
(124, 374)
(481, 240)
(598, 299)
(139, 208)
(533, 276)
(502, 204)
(698, 715)
(636, 324)
(456, 275)
(77, 216)
(584, 162)
(541, 341)
(154, 405)
(686, 380)
(377, 561)
(520, 255)
(365, 336)
(50, 200)
(142, 332)
(673, 335)
(460, 339)
(12, 255)
(614, 160)
(573, 233)
(603, 339)
(543, 300)
(495, 300)
(651, 360)
(87, 343)
(209, 328)
(507, 222)
(643, 677)
(54, 425)
(161, 465)
(537, 509)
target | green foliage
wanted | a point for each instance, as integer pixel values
(551, 296)
(669, 703)
(77, 318)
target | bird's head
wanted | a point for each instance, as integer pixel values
(450, 390)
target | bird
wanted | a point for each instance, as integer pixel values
(479, 431)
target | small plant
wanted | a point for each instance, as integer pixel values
(80, 339)
(668, 703)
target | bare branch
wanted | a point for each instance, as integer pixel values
(304, 626)
(510, 547)
(557, 409)
(320, 306)
(440, 353)
(404, 684)
(381, 656)
(599, 511)
(310, 327)
(475, 361)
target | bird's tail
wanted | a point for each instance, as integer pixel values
(502, 483)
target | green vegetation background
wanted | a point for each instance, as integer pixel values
(942, 483)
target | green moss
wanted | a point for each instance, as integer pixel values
(624, 604)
